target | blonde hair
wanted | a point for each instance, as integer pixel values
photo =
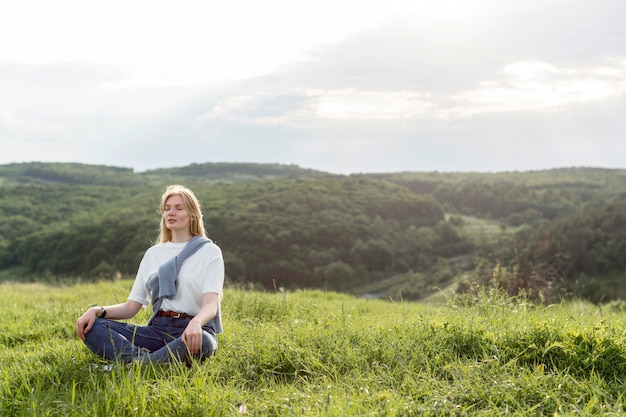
(192, 207)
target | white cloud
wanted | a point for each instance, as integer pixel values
(521, 86)
(540, 86)
(342, 104)
(356, 105)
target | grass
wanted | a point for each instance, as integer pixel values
(312, 353)
(481, 230)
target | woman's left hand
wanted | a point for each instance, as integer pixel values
(192, 337)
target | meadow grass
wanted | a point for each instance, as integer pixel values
(482, 230)
(311, 353)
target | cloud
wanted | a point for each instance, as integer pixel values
(304, 107)
(541, 86)
(341, 86)
(521, 86)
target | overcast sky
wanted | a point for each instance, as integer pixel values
(343, 86)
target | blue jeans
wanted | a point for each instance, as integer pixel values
(160, 342)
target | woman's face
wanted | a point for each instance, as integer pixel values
(174, 215)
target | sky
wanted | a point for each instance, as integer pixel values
(342, 86)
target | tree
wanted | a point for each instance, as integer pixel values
(375, 254)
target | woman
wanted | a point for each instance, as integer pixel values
(185, 294)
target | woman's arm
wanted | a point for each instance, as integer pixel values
(121, 311)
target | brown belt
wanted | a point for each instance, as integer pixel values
(174, 315)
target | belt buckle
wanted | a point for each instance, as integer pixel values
(176, 315)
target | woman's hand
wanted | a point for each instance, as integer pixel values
(121, 311)
(85, 322)
(192, 336)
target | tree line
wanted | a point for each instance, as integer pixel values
(290, 233)
(562, 232)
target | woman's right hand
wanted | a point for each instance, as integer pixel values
(85, 322)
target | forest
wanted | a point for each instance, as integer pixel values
(551, 234)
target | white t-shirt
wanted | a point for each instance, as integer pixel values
(200, 273)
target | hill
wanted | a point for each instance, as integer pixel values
(505, 195)
(233, 172)
(403, 235)
(38, 173)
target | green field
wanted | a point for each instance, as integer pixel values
(324, 354)
(482, 230)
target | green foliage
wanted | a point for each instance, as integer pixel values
(289, 231)
(576, 249)
(67, 173)
(569, 237)
(532, 195)
(553, 233)
(234, 172)
(292, 233)
(311, 353)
